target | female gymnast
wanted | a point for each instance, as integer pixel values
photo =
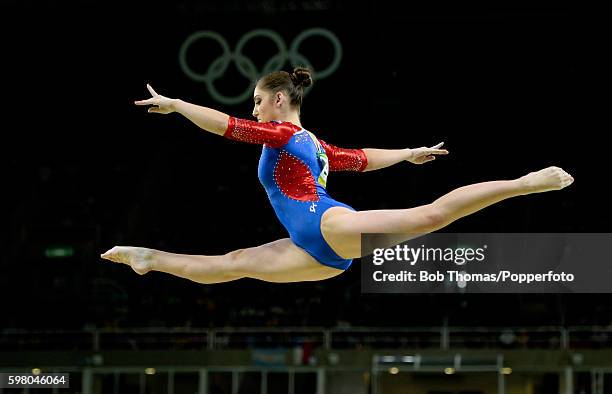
(324, 234)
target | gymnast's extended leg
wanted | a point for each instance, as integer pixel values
(342, 228)
(279, 261)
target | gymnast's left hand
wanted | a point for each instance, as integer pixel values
(162, 105)
(425, 154)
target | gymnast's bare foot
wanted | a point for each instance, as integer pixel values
(551, 178)
(140, 259)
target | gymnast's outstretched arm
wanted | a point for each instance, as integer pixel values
(369, 159)
(206, 118)
(271, 133)
(381, 158)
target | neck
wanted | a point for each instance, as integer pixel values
(293, 117)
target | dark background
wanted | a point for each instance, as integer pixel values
(511, 87)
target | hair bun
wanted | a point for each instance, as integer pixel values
(301, 77)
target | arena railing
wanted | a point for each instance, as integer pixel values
(176, 339)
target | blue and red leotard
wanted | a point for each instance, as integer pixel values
(293, 169)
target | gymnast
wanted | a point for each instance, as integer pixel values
(324, 234)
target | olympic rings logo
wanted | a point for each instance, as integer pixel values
(246, 67)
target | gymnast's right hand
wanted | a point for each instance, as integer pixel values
(162, 105)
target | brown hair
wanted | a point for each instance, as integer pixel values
(293, 83)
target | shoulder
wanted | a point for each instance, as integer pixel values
(286, 125)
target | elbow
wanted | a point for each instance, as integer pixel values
(221, 124)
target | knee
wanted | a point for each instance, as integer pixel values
(236, 262)
(215, 269)
(435, 217)
(235, 255)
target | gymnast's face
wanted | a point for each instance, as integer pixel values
(267, 106)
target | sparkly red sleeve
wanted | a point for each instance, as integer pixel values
(341, 159)
(271, 133)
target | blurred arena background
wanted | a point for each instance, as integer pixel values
(504, 84)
